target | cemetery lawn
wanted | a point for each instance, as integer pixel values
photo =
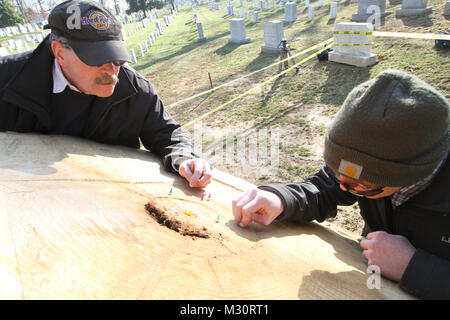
(298, 105)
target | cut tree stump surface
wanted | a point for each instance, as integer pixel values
(76, 222)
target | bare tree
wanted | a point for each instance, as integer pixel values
(22, 10)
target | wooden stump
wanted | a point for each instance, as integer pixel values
(74, 225)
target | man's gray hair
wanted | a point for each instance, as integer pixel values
(60, 39)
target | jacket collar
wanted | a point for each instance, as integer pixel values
(35, 96)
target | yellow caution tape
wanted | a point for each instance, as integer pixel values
(353, 44)
(255, 87)
(248, 75)
(430, 36)
(364, 33)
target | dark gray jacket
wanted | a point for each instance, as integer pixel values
(134, 111)
(424, 220)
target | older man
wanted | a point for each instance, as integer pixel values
(76, 83)
(387, 148)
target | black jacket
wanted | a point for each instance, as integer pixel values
(424, 220)
(133, 112)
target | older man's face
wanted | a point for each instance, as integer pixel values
(97, 80)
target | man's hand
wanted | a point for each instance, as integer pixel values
(196, 171)
(391, 253)
(257, 205)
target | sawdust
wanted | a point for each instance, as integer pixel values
(177, 221)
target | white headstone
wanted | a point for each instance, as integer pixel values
(353, 48)
(238, 34)
(306, 3)
(201, 36)
(159, 27)
(333, 10)
(261, 6)
(290, 12)
(310, 13)
(11, 43)
(3, 52)
(413, 8)
(255, 17)
(368, 8)
(22, 28)
(273, 34)
(141, 50)
(146, 45)
(319, 4)
(133, 56)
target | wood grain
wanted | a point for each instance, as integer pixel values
(73, 225)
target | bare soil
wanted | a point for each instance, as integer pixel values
(177, 221)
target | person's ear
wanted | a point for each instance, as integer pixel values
(58, 51)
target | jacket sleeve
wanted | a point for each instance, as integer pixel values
(162, 135)
(316, 198)
(427, 276)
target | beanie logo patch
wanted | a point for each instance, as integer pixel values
(350, 169)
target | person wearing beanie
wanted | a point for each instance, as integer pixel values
(77, 82)
(387, 149)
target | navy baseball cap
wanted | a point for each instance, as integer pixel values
(91, 31)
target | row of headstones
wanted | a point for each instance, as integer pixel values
(20, 29)
(368, 8)
(22, 44)
(290, 11)
(144, 23)
(259, 4)
(144, 47)
(352, 41)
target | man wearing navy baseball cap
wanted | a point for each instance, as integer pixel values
(91, 31)
(77, 82)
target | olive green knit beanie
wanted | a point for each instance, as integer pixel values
(392, 130)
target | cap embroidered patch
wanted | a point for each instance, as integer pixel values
(97, 20)
(350, 169)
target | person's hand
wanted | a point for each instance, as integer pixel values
(391, 253)
(196, 171)
(257, 205)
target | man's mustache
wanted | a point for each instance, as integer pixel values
(107, 80)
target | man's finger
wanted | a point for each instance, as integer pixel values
(185, 171)
(205, 179)
(367, 254)
(262, 218)
(197, 173)
(366, 244)
(252, 207)
(236, 208)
